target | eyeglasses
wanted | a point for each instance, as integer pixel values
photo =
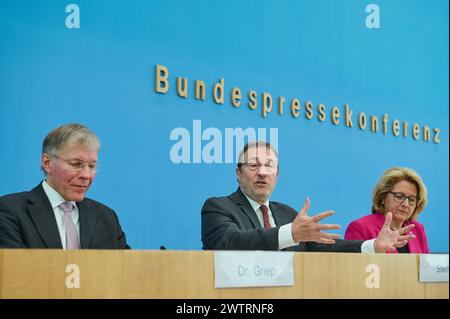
(78, 165)
(400, 198)
(270, 166)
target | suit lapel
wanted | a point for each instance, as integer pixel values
(41, 212)
(279, 215)
(239, 199)
(275, 214)
(88, 218)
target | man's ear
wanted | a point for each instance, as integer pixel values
(46, 163)
(238, 173)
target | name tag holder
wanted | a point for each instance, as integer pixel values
(433, 268)
(253, 269)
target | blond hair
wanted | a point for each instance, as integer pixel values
(387, 182)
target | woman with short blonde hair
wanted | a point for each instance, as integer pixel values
(401, 192)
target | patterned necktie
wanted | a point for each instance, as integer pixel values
(265, 216)
(72, 241)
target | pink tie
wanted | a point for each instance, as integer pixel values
(265, 216)
(72, 241)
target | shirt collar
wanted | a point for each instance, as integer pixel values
(255, 204)
(53, 196)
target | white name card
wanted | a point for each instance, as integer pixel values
(433, 268)
(253, 269)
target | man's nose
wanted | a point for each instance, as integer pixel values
(85, 172)
(263, 170)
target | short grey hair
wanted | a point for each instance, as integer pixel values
(250, 145)
(69, 133)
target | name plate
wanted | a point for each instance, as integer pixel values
(433, 268)
(253, 269)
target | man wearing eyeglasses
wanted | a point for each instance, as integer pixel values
(248, 220)
(56, 213)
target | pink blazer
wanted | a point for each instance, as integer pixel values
(369, 226)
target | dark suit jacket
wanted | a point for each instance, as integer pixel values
(231, 223)
(27, 220)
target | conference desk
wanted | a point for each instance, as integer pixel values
(190, 274)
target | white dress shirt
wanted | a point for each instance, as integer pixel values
(285, 239)
(55, 200)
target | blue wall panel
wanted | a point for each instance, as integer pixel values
(103, 75)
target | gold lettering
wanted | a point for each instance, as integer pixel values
(161, 80)
(335, 115)
(374, 123)
(321, 115)
(405, 127)
(236, 97)
(266, 104)
(295, 108)
(348, 116)
(252, 103)
(281, 101)
(426, 133)
(395, 127)
(416, 131)
(436, 136)
(182, 88)
(200, 90)
(362, 121)
(385, 120)
(309, 112)
(218, 87)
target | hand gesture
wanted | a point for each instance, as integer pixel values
(389, 239)
(306, 228)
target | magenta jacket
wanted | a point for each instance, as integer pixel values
(369, 226)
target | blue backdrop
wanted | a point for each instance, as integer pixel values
(102, 73)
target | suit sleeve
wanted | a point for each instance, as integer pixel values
(222, 228)
(341, 246)
(121, 238)
(10, 233)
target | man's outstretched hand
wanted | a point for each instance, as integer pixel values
(306, 228)
(389, 239)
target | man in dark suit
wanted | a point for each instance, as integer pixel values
(56, 214)
(247, 220)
